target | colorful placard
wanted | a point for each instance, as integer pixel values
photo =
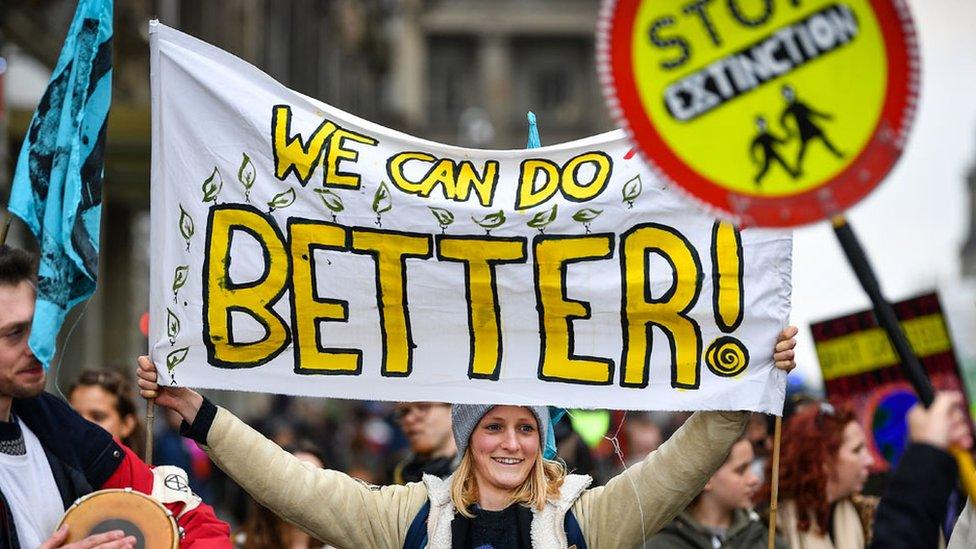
(860, 368)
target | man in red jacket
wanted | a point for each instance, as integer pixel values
(50, 455)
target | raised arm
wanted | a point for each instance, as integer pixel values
(916, 495)
(659, 487)
(328, 504)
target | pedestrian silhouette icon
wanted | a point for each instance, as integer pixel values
(804, 126)
(765, 145)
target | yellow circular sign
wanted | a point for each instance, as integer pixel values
(749, 104)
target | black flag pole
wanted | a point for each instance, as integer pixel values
(885, 314)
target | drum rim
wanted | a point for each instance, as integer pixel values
(173, 526)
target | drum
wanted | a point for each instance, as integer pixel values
(134, 513)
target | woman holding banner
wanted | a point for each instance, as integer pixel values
(505, 493)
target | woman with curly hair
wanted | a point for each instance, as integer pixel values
(823, 466)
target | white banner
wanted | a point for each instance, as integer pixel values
(298, 249)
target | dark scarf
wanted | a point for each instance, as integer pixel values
(494, 529)
(12, 438)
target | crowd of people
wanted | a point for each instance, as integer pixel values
(426, 474)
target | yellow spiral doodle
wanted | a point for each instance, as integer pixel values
(727, 357)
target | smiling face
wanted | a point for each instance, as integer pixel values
(21, 375)
(849, 469)
(504, 447)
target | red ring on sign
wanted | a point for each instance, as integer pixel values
(829, 199)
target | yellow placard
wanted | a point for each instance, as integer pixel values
(870, 350)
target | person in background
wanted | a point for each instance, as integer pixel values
(721, 516)
(266, 530)
(427, 426)
(759, 434)
(824, 463)
(50, 455)
(645, 432)
(106, 397)
(916, 495)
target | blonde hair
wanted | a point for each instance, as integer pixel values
(543, 484)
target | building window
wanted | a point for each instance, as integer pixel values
(554, 77)
(452, 84)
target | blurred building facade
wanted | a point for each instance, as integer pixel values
(456, 71)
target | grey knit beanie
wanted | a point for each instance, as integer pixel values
(465, 417)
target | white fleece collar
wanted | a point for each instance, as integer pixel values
(547, 531)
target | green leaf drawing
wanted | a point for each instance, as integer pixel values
(246, 175)
(381, 199)
(631, 190)
(175, 358)
(282, 200)
(211, 186)
(542, 219)
(186, 226)
(491, 221)
(179, 278)
(444, 217)
(172, 326)
(331, 200)
(586, 215)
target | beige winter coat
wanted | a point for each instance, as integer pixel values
(349, 514)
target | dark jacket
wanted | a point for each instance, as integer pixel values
(84, 458)
(414, 467)
(915, 499)
(747, 531)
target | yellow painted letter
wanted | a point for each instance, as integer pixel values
(394, 168)
(556, 313)
(528, 195)
(221, 296)
(570, 184)
(290, 154)
(483, 187)
(727, 298)
(336, 154)
(308, 309)
(668, 312)
(390, 251)
(480, 255)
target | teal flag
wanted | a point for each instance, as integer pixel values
(533, 141)
(57, 186)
